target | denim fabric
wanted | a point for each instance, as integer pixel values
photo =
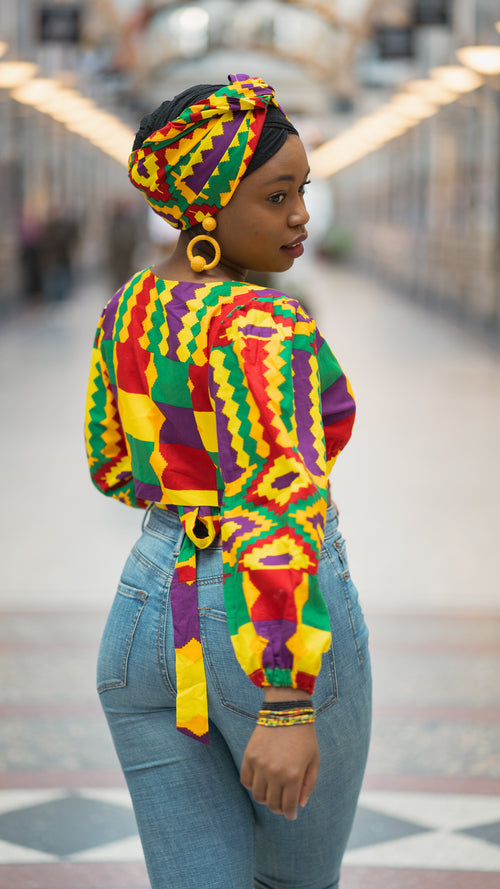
(199, 827)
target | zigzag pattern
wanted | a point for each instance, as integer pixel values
(191, 167)
(179, 367)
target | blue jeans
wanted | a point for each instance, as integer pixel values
(198, 826)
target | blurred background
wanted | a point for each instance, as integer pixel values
(401, 95)
(398, 104)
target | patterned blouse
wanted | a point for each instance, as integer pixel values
(222, 400)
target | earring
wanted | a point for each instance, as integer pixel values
(198, 263)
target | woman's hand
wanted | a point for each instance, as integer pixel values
(280, 767)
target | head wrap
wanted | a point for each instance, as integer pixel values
(189, 168)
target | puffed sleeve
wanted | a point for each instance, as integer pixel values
(265, 386)
(337, 402)
(107, 453)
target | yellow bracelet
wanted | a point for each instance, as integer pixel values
(293, 716)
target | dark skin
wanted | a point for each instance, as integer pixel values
(257, 230)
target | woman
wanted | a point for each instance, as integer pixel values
(217, 406)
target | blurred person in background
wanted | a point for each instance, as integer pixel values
(122, 233)
(29, 242)
(234, 669)
(57, 243)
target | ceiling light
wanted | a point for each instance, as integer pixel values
(457, 78)
(414, 107)
(388, 121)
(337, 154)
(35, 90)
(484, 59)
(13, 74)
(60, 102)
(193, 18)
(431, 90)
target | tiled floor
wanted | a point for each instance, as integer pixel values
(431, 799)
(429, 814)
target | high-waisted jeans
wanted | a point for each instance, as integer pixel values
(199, 827)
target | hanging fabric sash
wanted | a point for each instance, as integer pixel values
(201, 528)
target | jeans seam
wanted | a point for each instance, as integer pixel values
(141, 598)
(215, 679)
(150, 566)
(162, 625)
(162, 648)
(329, 702)
(344, 577)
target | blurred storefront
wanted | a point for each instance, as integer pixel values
(416, 177)
(58, 174)
(412, 192)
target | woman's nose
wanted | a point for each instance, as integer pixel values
(300, 216)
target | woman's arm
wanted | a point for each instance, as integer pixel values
(265, 387)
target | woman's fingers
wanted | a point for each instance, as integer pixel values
(290, 801)
(309, 783)
(280, 767)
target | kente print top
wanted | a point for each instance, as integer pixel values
(223, 400)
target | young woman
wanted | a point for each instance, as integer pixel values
(217, 407)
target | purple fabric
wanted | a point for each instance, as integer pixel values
(284, 481)
(336, 402)
(181, 293)
(184, 599)
(256, 330)
(179, 426)
(318, 522)
(244, 526)
(148, 492)
(108, 322)
(284, 559)
(278, 632)
(202, 172)
(227, 454)
(302, 390)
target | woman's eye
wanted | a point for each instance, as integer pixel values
(277, 198)
(303, 187)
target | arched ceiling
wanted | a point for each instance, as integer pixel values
(320, 38)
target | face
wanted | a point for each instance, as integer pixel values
(263, 226)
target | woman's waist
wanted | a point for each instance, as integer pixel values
(165, 520)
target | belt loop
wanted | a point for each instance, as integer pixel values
(179, 542)
(145, 520)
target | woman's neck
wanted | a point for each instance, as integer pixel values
(176, 267)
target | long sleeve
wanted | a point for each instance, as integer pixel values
(107, 453)
(265, 385)
(337, 402)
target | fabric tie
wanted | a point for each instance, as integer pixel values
(201, 527)
(190, 168)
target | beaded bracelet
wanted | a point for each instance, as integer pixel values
(291, 716)
(286, 705)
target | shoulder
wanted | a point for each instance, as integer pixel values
(267, 305)
(136, 289)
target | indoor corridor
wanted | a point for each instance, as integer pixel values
(418, 489)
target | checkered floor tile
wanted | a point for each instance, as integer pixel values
(426, 830)
(412, 830)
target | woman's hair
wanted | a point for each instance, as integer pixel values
(274, 133)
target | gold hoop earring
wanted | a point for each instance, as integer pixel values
(199, 263)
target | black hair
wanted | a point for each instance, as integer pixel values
(274, 133)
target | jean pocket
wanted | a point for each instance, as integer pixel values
(118, 636)
(235, 691)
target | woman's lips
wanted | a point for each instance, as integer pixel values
(295, 248)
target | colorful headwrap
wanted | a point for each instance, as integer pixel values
(190, 168)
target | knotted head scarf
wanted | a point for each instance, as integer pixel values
(189, 168)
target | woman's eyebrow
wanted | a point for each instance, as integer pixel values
(285, 177)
